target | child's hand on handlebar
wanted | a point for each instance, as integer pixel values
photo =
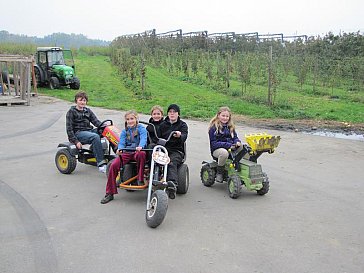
(79, 145)
(138, 148)
(119, 152)
(235, 146)
(177, 134)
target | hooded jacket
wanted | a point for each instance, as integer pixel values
(152, 138)
(175, 143)
(222, 139)
(132, 137)
(79, 120)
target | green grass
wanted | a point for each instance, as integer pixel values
(106, 89)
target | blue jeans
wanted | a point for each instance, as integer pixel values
(91, 137)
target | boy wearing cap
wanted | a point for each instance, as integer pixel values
(175, 146)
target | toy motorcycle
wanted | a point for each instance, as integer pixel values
(155, 181)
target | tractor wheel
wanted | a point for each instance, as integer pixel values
(38, 76)
(234, 186)
(65, 162)
(75, 84)
(265, 188)
(183, 179)
(158, 209)
(54, 83)
(207, 175)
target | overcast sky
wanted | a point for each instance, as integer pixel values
(107, 19)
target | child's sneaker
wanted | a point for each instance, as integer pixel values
(102, 169)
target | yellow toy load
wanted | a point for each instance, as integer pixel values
(262, 142)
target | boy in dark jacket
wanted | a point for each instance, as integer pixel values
(79, 130)
(175, 146)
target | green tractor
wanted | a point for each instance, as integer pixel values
(55, 68)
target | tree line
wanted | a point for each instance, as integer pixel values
(55, 39)
(318, 65)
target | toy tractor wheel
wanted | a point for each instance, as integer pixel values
(75, 84)
(264, 190)
(54, 83)
(207, 175)
(183, 179)
(234, 186)
(65, 162)
(158, 209)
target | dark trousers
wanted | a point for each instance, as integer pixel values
(139, 157)
(176, 161)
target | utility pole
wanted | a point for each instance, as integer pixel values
(270, 97)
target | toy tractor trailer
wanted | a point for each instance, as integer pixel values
(55, 68)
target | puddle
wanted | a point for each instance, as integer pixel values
(351, 135)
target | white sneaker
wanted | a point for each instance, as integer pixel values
(102, 169)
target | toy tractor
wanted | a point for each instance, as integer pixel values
(55, 68)
(243, 169)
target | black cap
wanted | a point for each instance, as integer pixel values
(175, 107)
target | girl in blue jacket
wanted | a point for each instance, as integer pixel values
(223, 137)
(133, 136)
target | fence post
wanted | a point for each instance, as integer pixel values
(270, 97)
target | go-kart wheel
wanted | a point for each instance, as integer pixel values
(264, 190)
(65, 162)
(128, 172)
(158, 209)
(207, 175)
(234, 186)
(183, 179)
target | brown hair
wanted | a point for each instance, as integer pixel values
(215, 122)
(81, 94)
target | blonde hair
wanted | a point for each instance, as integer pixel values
(156, 107)
(216, 123)
(135, 114)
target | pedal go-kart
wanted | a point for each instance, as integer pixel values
(67, 155)
(243, 169)
(155, 181)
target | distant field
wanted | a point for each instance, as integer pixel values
(106, 89)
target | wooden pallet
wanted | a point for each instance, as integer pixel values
(9, 101)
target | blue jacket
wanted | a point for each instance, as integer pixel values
(128, 138)
(222, 139)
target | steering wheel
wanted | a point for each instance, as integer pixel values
(102, 126)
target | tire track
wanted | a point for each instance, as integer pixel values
(40, 242)
(36, 129)
(11, 157)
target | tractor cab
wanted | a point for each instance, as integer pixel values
(55, 67)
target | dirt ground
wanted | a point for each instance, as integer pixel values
(303, 125)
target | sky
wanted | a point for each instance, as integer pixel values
(108, 19)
